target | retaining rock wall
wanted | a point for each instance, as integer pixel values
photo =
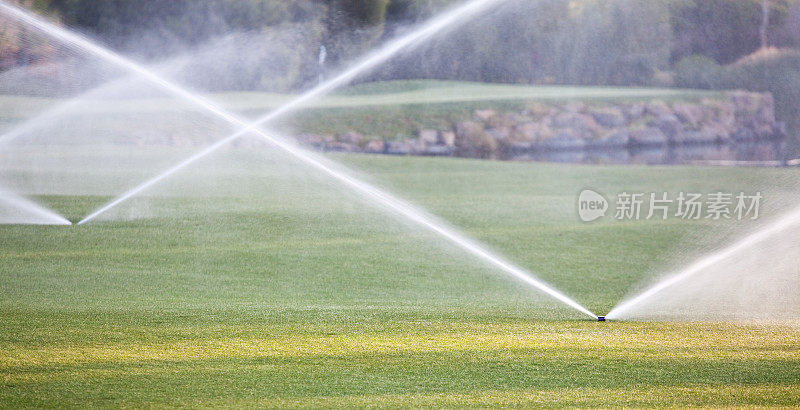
(736, 116)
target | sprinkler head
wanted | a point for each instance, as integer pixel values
(601, 318)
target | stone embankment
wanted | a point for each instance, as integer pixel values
(736, 116)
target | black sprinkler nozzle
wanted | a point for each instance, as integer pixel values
(601, 318)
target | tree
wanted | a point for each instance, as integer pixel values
(762, 31)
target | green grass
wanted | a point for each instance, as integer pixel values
(258, 286)
(389, 110)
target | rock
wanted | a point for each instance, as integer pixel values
(764, 131)
(766, 109)
(743, 134)
(338, 146)
(499, 133)
(671, 127)
(650, 136)
(575, 107)
(448, 138)
(609, 118)
(567, 139)
(429, 136)
(415, 146)
(537, 110)
(473, 141)
(351, 138)
(398, 148)
(691, 114)
(744, 102)
(575, 121)
(722, 112)
(720, 132)
(527, 131)
(439, 150)
(658, 108)
(619, 139)
(704, 136)
(635, 111)
(484, 115)
(316, 141)
(375, 147)
(519, 147)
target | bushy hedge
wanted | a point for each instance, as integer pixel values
(773, 70)
(697, 71)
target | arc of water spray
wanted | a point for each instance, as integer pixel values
(759, 236)
(387, 200)
(44, 216)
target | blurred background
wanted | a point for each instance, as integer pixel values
(289, 45)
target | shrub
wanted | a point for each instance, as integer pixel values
(697, 71)
(773, 70)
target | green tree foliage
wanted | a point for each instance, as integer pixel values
(353, 26)
(724, 30)
(773, 70)
(613, 42)
(619, 42)
(176, 23)
(697, 71)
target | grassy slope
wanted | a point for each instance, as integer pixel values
(395, 109)
(296, 297)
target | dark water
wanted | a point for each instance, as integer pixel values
(753, 151)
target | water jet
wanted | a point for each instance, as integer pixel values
(372, 194)
(624, 309)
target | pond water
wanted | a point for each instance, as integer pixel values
(754, 151)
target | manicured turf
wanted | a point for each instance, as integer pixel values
(257, 284)
(394, 109)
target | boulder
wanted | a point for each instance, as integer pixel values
(658, 108)
(744, 134)
(567, 139)
(648, 137)
(722, 112)
(398, 148)
(429, 136)
(375, 147)
(764, 131)
(635, 111)
(766, 110)
(417, 147)
(609, 118)
(500, 133)
(744, 102)
(472, 140)
(439, 150)
(351, 138)
(313, 140)
(671, 126)
(575, 121)
(339, 146)
(618, 139)
(720, 132)
(448, 138)
(689, 114)
(484, 115)
(538, 110)
(703, 136)
(575, 107)
(519, 147)
(526, 131)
